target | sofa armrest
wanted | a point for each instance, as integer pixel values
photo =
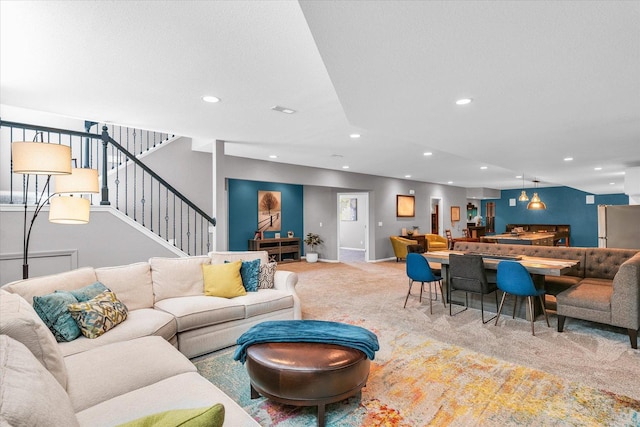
(625, 299)
(287, 281)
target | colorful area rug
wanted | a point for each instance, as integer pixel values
(441, 370)
(437, 384)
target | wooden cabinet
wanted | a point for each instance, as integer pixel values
(280, 250)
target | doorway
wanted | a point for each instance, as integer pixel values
(353, 220)
(435, 215)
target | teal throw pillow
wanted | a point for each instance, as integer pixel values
(52, 309)
(250, 274)
(88, 292)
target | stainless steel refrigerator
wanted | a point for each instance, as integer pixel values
(619, 226)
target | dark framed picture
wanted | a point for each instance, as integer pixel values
(405, 206)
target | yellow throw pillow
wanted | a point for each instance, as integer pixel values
(197, 417)
(223, 280)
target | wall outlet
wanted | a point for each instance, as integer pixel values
(380, 224)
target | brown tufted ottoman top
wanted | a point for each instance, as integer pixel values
(306, 374)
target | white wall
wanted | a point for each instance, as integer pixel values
(107, 240)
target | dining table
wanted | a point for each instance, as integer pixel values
(538, 267)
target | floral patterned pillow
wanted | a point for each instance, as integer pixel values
(98, 315)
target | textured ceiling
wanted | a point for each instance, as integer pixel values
(549, 80)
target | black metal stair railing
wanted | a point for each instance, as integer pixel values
(127, 183)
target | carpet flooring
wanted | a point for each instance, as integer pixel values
(442, 370)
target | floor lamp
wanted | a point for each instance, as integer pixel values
(40, 158)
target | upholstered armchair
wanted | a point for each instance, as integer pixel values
(400, 246)
(437, 242)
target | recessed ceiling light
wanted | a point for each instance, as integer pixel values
(283, 109)
(428, 153)
(273, 156)
(345, 167)
(354, 136)
(612, 183)
(483, 167)
(449, 182)
(568, 159)
(407, 176)
(518, 176)
(210, 98)
(597, 168)
(464, 101)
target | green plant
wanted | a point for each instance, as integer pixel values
(313, 240)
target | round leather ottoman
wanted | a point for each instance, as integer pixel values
(306, 374)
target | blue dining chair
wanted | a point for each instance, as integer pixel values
(513, 278)
(418, 270)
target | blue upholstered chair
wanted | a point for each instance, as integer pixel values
(418, 270)
(514, 279)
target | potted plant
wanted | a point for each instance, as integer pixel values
(312, 240)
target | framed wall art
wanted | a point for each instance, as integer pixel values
(405, 206)
(455, 213)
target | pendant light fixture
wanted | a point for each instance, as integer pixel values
(523, 196)
(536, 203)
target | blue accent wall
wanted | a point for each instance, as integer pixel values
(565, 205)
(243, 210)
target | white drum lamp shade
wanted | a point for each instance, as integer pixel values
(81, 180)
(41, 158)
(69, 210)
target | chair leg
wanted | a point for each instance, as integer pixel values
(421, 289)
(504, 294)
(482, 310)
(430, 300)
(530, 306)
(515, 304)
(442, 293)
(466, 302)
(408, 293)
(544, 310)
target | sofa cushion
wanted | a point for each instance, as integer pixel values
(267, 275)
(132, 284)
(52, 309)
(31, 396)
(223, 280)
(199, 311)
(212, 416)
(594, 294)
(98, 315)
(19, 321)
(170, 393)
(603, 263)
(265, 301)
(177, 277)
(43, 285)
(108, 371)
(140, 323)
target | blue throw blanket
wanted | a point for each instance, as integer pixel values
(308, 331)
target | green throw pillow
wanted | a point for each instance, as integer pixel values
(52, 309)
(98, 315)
(197, 417)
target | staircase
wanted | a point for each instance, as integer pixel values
(127, 183)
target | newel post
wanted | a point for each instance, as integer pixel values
(105, 188)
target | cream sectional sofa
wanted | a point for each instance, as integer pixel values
(134, 369)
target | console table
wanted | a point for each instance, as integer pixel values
(286, 249)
